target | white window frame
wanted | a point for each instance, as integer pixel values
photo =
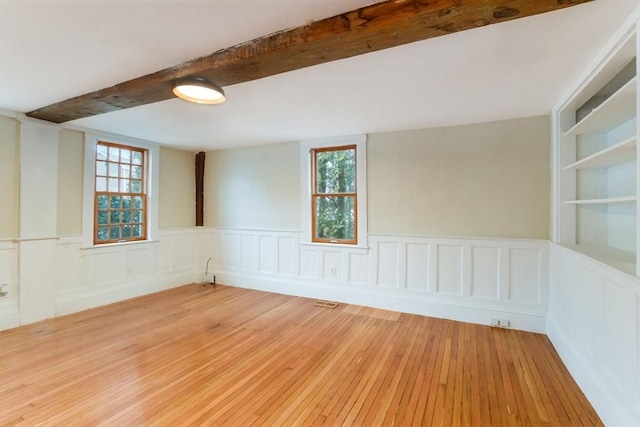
(306, 147)
(88, 192)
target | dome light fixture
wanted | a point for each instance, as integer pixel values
(198, 90)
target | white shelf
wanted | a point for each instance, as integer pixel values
(624, 151)
(616, 258)
(618, 108)
(606, 201)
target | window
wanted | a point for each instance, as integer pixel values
(120, 208)
(334, 198)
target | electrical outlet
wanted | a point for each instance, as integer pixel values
(500, 323)
(3, 291)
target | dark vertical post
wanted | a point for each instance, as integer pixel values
(200, 189)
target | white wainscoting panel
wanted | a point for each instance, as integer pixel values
(418, 266)
(388, 257)
(287, 247)
(524, 275)
(463, 279)
(485, 272)
(9, 308)
(56, 276)
(450, 269)
(594, 323)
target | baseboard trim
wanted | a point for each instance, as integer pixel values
(389, 300)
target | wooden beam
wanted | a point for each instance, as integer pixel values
(368, 29)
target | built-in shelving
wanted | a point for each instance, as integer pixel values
(596, 128)
(604, 201)
(618, 108)
(622, 152)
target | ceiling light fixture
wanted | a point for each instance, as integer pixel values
(199, 90)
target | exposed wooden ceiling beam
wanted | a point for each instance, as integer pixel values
(379, 26)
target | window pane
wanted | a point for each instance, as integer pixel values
(103, 202)
(103, 217)
(103, 233)
(136, 172)
(137, 216)
(124, 171)
(115, 202)
(126, 231)
(137, 230)
(114, 233)
(101, 184)
(113, 169)
(136, 186)
(114, 154)
(113, 185)
(126, 202)
(136, 157)
(335, 217)
(101, 168)
(115, 217)
(336, 171)
(124, 185)
(101, 152)
(126, 216)
(125, 156)
(137, 202)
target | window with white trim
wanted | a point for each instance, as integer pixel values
(333, 176)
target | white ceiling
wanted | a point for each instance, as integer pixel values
(51, 50)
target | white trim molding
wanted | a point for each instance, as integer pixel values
(360, 141)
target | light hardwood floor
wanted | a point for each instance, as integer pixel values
(192, 356)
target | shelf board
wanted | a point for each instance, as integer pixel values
(615, 110)
(606, 201)
(616, 258)
(622, 152)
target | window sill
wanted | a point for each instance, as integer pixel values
(119, 244)
(341, 246)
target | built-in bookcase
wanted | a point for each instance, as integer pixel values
(595, 155)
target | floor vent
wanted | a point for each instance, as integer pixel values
(325, 304)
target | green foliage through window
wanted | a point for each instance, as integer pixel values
(334, 195)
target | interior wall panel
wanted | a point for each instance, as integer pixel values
(418, 266)
(524, 275)
(485, 272)
(450, 269)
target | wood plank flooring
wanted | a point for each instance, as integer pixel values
(195, 356)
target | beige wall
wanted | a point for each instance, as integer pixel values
(177, 189)
(482, 180)
(70, 182)
(256, 187)
(9, 177)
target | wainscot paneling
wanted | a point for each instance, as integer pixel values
(474, 280)
(56, 276)
(9, 308)
(594, 323)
